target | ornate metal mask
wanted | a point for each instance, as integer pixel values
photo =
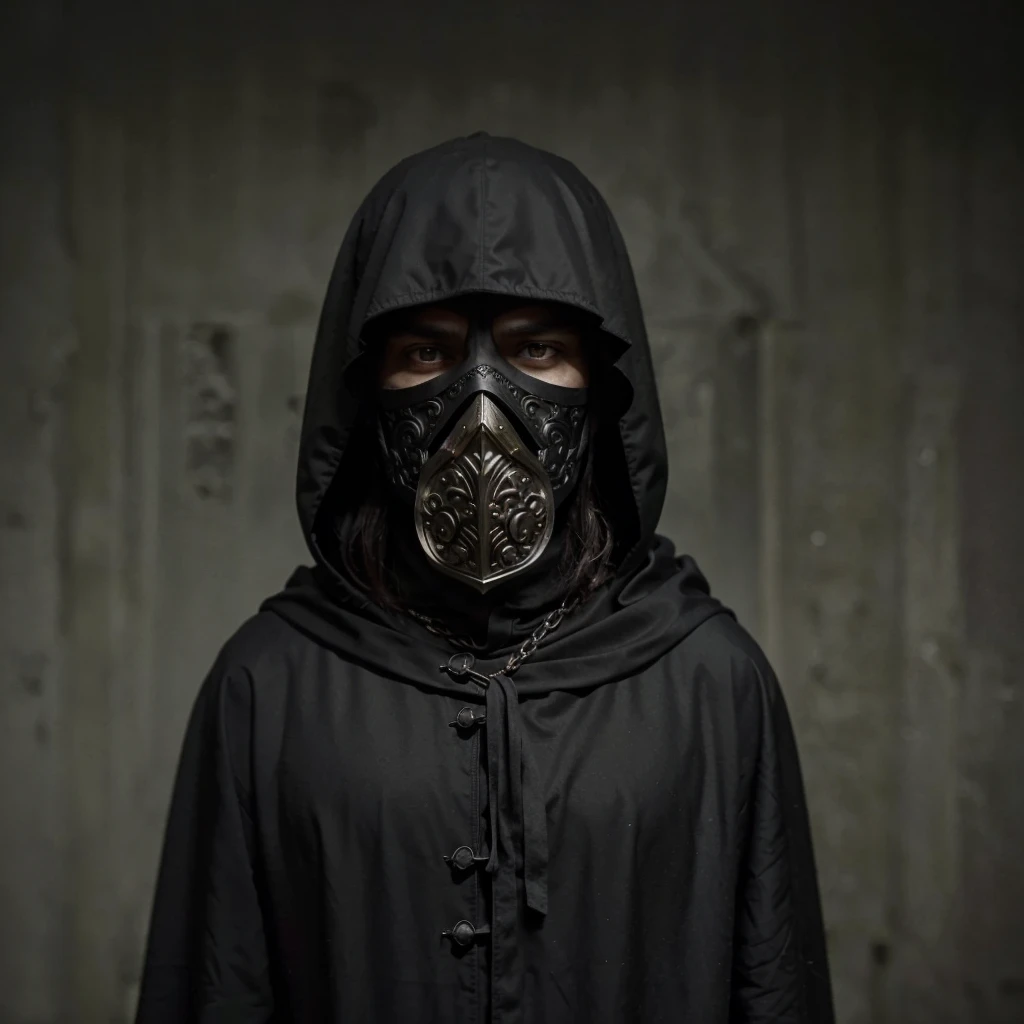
(485, 456)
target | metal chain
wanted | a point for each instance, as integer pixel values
(439, 629)
(550, 623)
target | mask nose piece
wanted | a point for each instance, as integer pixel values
(480, 345)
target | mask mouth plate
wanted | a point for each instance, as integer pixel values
(484, 507)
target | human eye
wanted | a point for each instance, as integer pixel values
(539, 351)
(427, 356)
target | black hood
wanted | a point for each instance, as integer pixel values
(493, 216)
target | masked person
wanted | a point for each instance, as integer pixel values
(498, 756)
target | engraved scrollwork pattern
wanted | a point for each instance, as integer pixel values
(449, 508)
(513, 499)
(404, 434)
(561, 428)
(517, 513)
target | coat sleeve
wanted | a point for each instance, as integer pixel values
(780, 967)
(206, 959)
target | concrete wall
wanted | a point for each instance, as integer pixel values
(36, 338)
(824, 216)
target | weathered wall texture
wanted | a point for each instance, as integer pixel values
(36, 336)
(825, 216)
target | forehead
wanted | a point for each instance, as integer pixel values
(488, 307)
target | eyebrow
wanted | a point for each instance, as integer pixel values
(536, 325)
(428, 331)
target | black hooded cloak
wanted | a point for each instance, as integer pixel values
(633, 798)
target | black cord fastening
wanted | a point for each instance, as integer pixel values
(464, 858)
(460, 664)
(464, 934)
(467, 719)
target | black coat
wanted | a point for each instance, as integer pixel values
(637, 845)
